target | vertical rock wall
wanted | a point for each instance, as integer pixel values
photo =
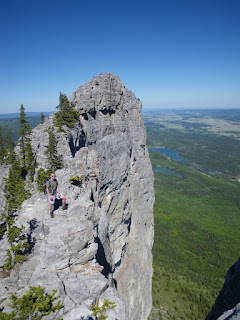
(112, 124)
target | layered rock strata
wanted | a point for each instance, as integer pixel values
(101, 246)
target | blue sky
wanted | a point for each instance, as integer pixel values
(170, 53)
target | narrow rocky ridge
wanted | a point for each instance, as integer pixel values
(101, 246)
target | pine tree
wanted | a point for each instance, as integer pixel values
(15, 194)
(24, 131)
(42, 117)
(14, 189)
(67, 114)
(10, 147)
(19, 245)
(30, 159)
(2, 148)
(35, 304)
(54, 160)
(98, 309)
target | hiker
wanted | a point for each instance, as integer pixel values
(54, 193)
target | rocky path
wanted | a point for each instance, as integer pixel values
(63, 258)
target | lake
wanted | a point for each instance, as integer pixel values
(166, 171)
(169, 153)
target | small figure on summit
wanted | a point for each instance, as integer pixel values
(54, 193)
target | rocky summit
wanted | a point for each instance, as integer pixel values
(101, 246)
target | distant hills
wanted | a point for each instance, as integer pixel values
(221, 114)
(11, 120)
(29, 114)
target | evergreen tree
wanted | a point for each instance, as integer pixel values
(30, 159)
(98, 309)
(67, 114)
(15, 194)
(54, 160)
(14, 189)
(42, 117)
(35, 304)
(10, 147)
(24, 131)
(19, 245)
(2, 148)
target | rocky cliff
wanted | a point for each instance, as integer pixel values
(101, 246)
(227, 305)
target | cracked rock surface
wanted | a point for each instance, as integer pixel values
(100, 247)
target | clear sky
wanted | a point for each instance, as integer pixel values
(170, 53)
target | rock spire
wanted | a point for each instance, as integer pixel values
(102, 245)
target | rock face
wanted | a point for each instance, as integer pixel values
(101, 246)
(3, 173)
(227, 305)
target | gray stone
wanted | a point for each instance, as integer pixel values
(114, 128)
(84, 255)
(79, 313)
(105, 237)
(3, 174)
(233, 314)
(4, 246)
(119, 311)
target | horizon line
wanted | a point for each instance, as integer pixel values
(143, 108)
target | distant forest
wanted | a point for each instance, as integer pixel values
(11, 121)
(223, 114)
(196, 210)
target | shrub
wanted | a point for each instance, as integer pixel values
(35, 304)
(77, 181)
(8, 262)
(19, 246)
(3, 228)
(98, 310)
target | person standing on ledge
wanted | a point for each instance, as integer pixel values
(54, 193)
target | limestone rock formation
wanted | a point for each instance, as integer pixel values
(227, 305)
(101, 246)
(3, 173)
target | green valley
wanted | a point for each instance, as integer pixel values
(197, 210)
